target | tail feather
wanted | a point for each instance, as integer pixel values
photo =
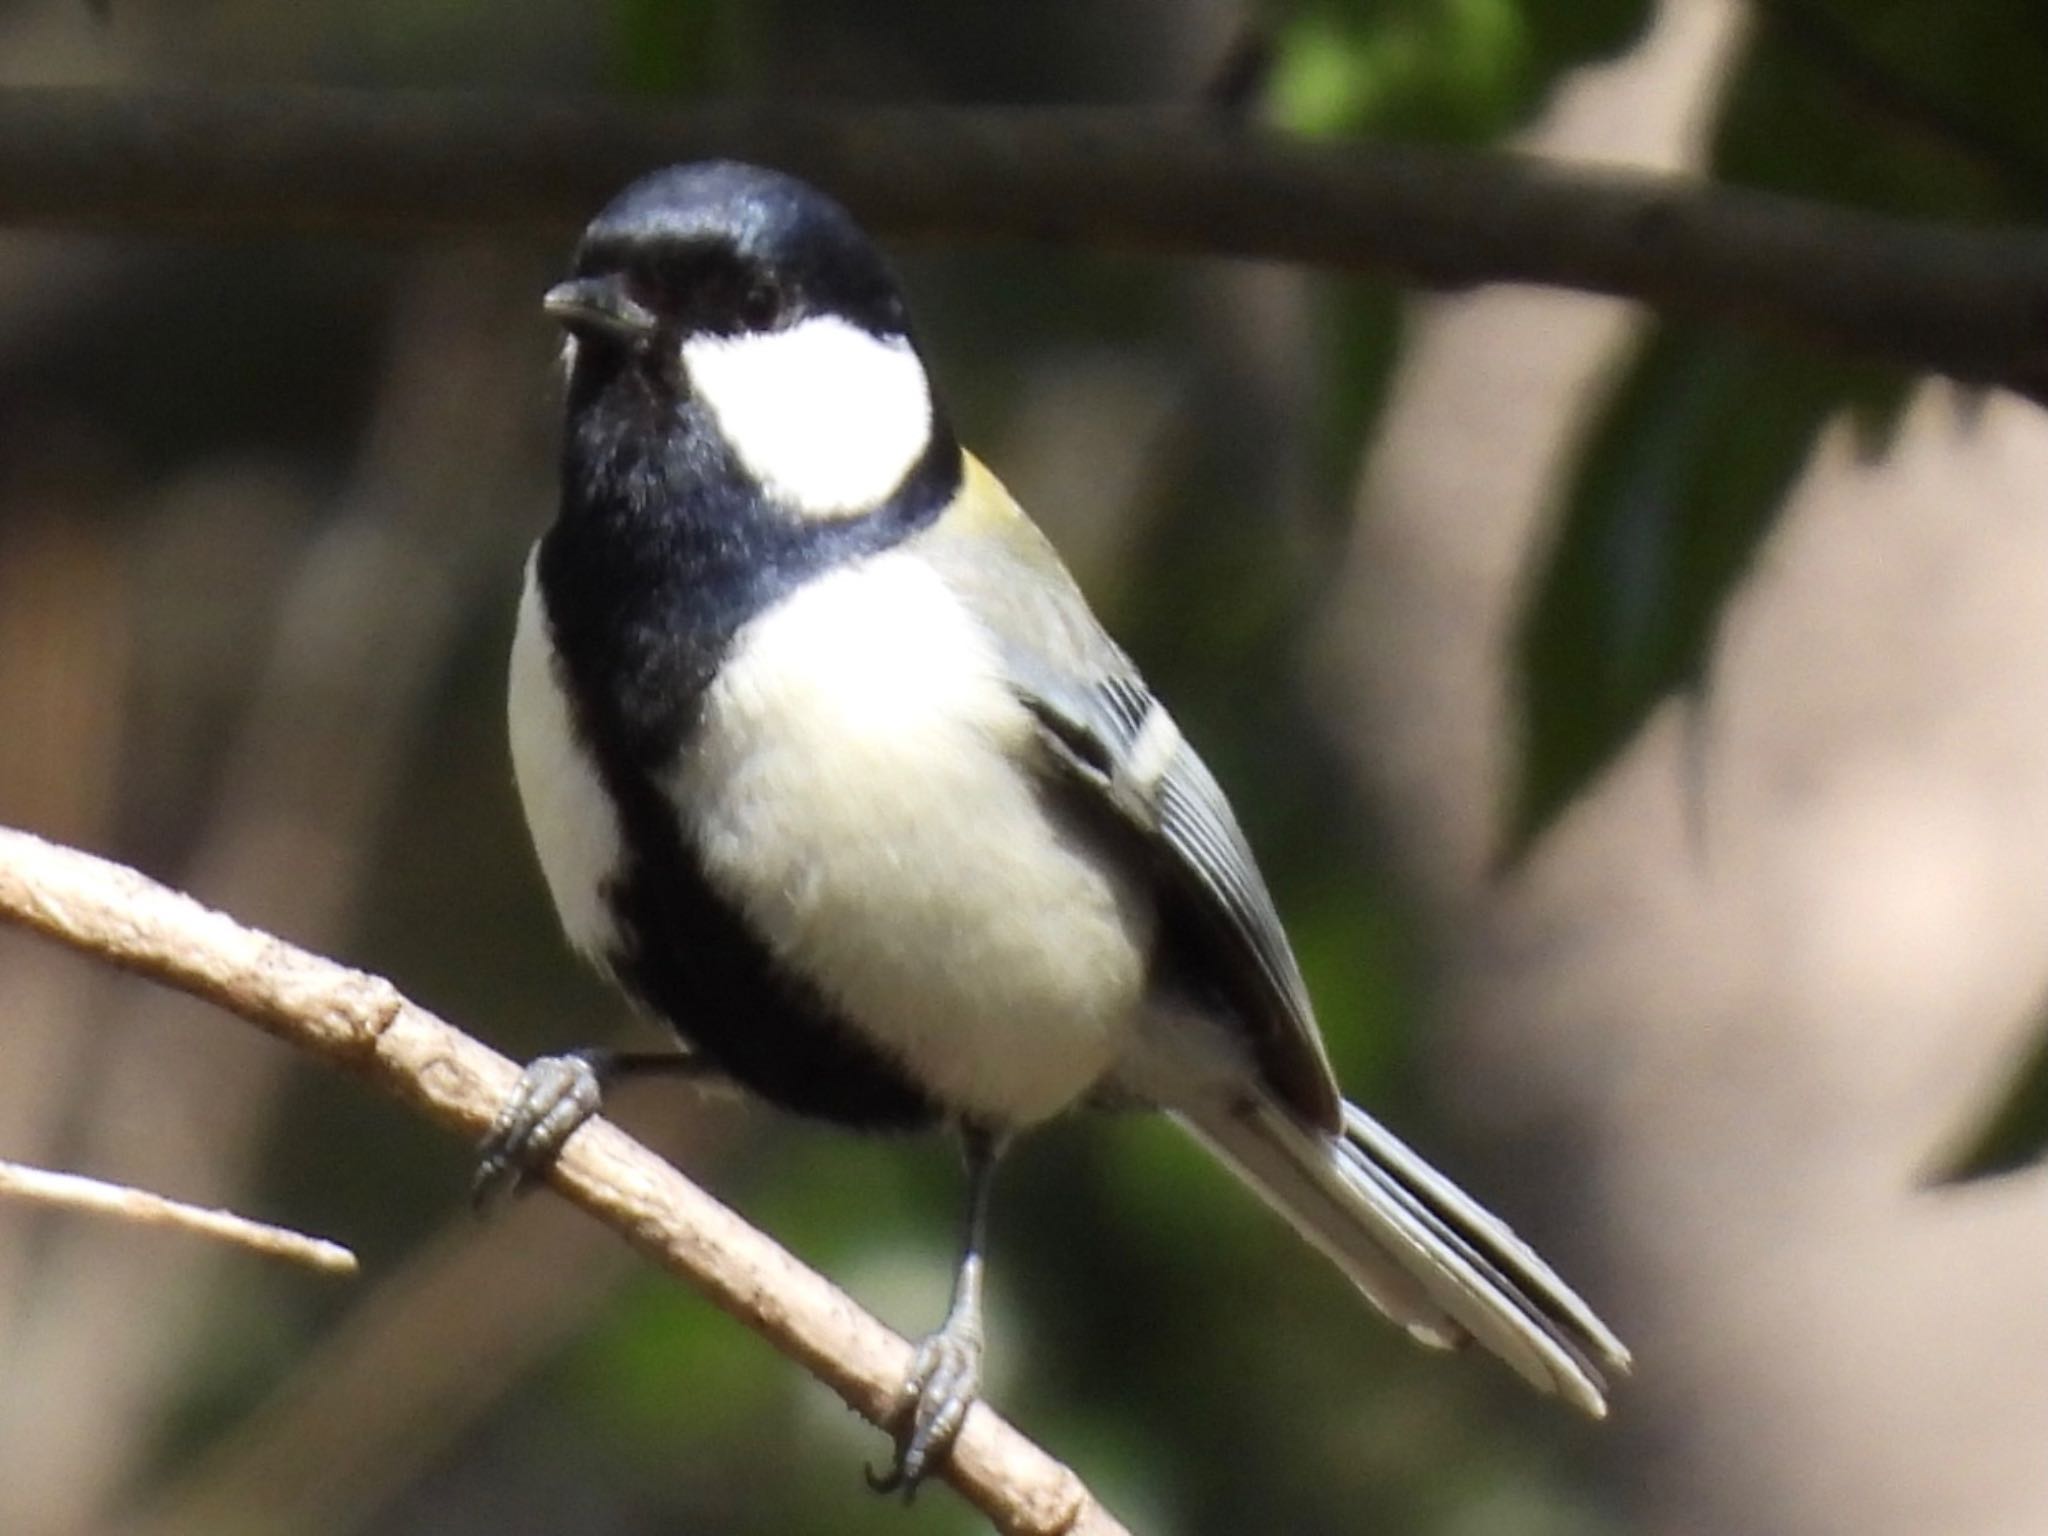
(1420, 1249)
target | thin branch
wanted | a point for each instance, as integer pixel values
(363, 1024)
(75, 1192)
(1972, 304)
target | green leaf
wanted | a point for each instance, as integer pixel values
(1916, 106)
(1896, 105)
(1677, 486)
(1443, 69)
(674, 47)
(2015, 1132)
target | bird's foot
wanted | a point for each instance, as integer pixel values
(944, 1381)
(556, 1094)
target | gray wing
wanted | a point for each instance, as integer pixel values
(1117, 742)
(1108, 738)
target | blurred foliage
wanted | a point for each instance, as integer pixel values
(2013, 1133)
(1449, 71)
(1700, 439)
(1463, 70)
(671, 47)
(1911, 107)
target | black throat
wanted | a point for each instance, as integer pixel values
(665, 548)
(662, 552)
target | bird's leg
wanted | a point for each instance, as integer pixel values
(945, 1374)
(556, 1094)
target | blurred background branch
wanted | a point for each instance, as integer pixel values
(1970, 304)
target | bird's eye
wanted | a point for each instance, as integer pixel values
(760, 305)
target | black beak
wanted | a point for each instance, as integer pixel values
(599, 306)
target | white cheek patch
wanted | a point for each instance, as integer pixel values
(827, 417)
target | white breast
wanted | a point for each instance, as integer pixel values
(570, 817)
(853, 792)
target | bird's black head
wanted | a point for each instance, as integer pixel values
(723, 249)
(732, 323)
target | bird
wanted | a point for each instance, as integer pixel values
(831, 768)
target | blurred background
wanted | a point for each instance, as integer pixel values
(1641, 725)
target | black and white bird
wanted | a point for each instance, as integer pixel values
(830, 767)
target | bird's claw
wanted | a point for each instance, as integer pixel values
(556, 1094)
(944, 1381)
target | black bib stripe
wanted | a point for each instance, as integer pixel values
(663, 552)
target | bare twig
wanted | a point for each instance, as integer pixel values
(363, 1024)
(1972, 304)
(75, 1192)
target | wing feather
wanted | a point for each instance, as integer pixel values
(1206, 869)
(1106, 736)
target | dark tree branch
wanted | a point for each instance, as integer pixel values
(362, 1024)
(1967, 303)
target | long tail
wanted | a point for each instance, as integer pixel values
(1421, 1249)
